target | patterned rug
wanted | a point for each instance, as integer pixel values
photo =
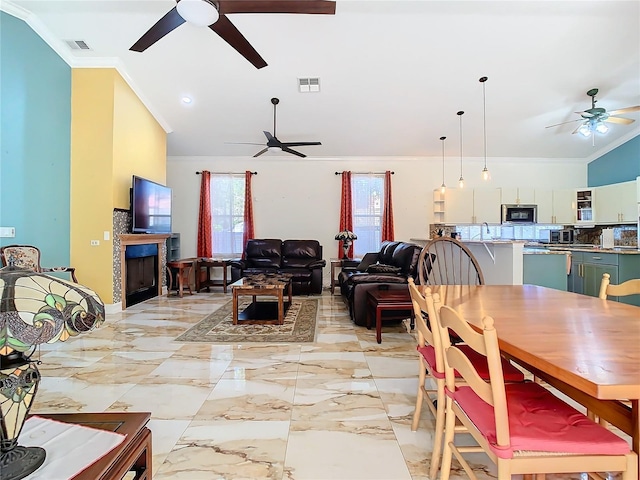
(299, 326)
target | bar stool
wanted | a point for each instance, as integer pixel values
(184, 268)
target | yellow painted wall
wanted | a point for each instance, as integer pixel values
(113, 136)
(139, 143)
(92, 178)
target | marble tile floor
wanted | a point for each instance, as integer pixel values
(336, 409)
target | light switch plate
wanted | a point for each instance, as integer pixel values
(7, 232)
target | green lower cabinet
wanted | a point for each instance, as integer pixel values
(545, 270)
(587, 269)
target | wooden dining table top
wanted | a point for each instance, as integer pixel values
(586, 342)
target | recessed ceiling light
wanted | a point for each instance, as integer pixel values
(186, 100)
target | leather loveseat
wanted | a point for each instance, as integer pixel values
(390, 268)
(300, 258)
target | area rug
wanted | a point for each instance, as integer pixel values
(217, 327)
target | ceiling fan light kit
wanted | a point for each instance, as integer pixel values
(595, 119)
(200, 13)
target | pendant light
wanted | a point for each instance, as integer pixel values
(461, 180)
(443, 187)
(485, 170)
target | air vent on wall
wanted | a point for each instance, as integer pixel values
(308, 85)
(77, 45)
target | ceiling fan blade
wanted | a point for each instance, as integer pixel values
(230, 34)
(576, 130)
(166, 24)
(564, 123)
(277, 6)
(299, 144)
(260, 152)
(624, 110)
(243, 143)
(288, 150)
(623, 121)
(268, 135)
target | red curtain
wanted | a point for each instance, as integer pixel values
(346, 215)
(248, 210)
(205, 245)
(387, 209)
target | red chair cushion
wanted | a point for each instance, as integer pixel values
(479, 361)
(539, 421)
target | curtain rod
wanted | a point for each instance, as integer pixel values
(367, 173)
(228, 173)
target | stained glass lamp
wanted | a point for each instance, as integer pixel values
(347, 237)
(34, 309)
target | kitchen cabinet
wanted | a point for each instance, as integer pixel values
(585, 205)
(438, 206)
(545, 270)
(486, 205)
(616, 203)
(517, 195)
(587, 269)
(458, 205)
(555, 206)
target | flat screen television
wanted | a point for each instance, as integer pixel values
(150, 206)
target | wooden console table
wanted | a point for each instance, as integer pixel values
(132, 455)
(139, 239)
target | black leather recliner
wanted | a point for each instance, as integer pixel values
(300, 258)
(392, 267)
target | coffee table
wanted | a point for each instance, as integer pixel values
(265, 284)
(395, 304)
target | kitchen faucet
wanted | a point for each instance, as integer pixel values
(488, 231)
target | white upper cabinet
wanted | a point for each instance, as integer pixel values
(486, 205)
(544, 200)
(563, 206)
(458, 205)
(617, 203)
(517, 195)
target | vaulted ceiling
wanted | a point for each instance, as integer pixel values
(392, 74)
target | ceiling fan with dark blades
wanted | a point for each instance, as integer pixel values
(274, 144)
(594, 118)
(213, 13)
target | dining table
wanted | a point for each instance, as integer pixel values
(586, 347)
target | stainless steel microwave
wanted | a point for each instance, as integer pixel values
(519, 213)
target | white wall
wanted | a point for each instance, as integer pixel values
(300, 197)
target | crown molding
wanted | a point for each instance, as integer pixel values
(62, 50)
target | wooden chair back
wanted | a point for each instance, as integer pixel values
(630, 287)
(485, 343)
(22, 256)
(426, 305)
(446, 261)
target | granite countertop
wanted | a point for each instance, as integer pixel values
(544, 251)
(538, 247)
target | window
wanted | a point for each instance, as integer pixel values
(367, 193)
(227, 214)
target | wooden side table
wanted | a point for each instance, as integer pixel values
(184, 268)
(337, 264)
(208, 264)
(132, 455)
(396, 302)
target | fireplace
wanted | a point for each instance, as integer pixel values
(141, 267)
(142, 273)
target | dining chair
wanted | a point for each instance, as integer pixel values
(522, 427)
(431, 368)
(28, 256)
(630, 287)
(446, 261)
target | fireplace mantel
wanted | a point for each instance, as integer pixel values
(139, 239)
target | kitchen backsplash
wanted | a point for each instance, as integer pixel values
(624, 235)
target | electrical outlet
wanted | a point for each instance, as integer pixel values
(106, 235)
(7, 232)
(95, 243)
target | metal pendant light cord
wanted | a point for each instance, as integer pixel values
(461, 181)
(485, 170)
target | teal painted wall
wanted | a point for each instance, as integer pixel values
(622, 164)
(35, 142)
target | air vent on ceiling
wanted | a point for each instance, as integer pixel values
(77, 45)
(307, 85)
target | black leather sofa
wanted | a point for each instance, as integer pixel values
(390, 268)
(300, 258)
